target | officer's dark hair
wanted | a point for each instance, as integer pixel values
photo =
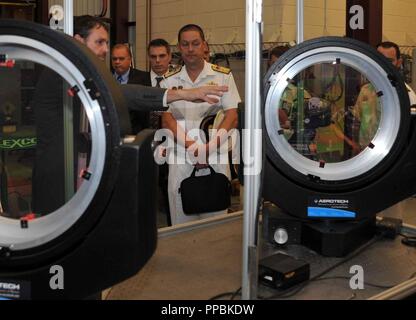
(159, 43)
(388, 45)
(191, 27)
(84, 24)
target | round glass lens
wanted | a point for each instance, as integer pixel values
(329, 113)
(44, 141)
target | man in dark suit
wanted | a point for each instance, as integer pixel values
(121, 62)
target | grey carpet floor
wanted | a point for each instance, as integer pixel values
(194, 265)
(200, 264)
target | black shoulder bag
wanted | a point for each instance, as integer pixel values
(203, 194)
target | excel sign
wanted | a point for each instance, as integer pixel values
(17, 143)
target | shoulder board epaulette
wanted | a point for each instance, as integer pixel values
(173, 72)
(221, 69)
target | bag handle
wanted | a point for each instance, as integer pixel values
(207, 167)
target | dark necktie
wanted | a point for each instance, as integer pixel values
(120, 79)
(158, 81)
(155, 117)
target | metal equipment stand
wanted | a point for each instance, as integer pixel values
(252, 140)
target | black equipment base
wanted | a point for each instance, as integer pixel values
(328, 238)
(337, 238)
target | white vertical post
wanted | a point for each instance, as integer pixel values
(69, 17)
(300, 21)
(252, 147)
(68, 112)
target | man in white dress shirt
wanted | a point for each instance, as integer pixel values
(160, 56)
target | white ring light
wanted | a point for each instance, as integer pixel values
(48, 228)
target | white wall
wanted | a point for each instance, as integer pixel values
(92, 7)
(224, 20)
(321, 18)
(141, 34)
(399, 21)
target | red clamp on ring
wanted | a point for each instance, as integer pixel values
(29, 217)
(8, 64)
(73, 91)
(24, 221)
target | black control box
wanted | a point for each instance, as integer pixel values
(281, 271)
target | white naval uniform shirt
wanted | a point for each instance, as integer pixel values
(412, 95)
(189, 116)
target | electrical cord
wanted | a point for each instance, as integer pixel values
(408, 240)
(237, 293)
(232, 295)
(349, 278)
(223, 295)
(366, 283)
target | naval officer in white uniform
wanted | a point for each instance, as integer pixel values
(184, 119)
